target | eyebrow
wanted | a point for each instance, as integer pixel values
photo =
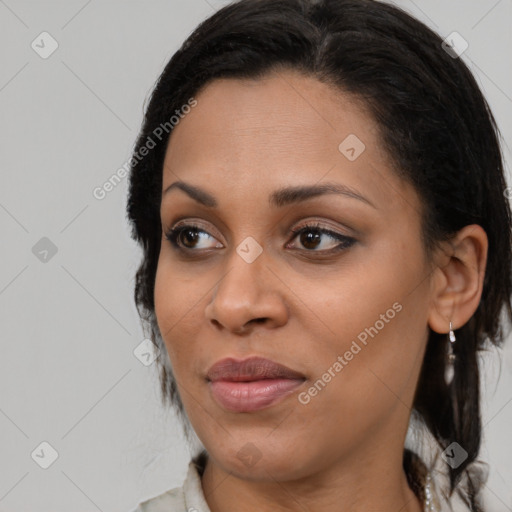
(278, 198)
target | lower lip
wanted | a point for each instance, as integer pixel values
(254, 395)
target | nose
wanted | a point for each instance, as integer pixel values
(247, 295)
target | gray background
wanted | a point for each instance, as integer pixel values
(68, 374)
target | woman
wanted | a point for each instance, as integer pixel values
(319, 193)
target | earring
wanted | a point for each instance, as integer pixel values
(450, 358)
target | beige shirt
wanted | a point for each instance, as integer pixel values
(190, 497)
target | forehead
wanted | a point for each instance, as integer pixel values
(285, 128)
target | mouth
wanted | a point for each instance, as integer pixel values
(251, 384)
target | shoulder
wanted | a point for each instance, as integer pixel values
(172, 500)
(187, 497)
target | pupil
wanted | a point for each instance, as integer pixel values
(191, 236)
(310, 237)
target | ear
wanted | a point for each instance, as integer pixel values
(457, 280)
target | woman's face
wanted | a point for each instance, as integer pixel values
(344, 303)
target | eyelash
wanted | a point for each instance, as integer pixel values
(172, 236)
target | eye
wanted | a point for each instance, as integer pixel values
(186, 237)
(317, 239)
(312, 237)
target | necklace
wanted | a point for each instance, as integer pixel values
(430, 504)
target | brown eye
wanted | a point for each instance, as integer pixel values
(311, 237)
(188, 237)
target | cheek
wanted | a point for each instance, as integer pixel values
(348, 302)
(374, 317)
(176, 308)
(165, 303)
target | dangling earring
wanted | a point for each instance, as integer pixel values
(450, 359)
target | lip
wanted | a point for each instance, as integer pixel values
(251, 384)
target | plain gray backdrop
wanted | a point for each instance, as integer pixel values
(74, 396)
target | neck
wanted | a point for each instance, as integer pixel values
(366, 484)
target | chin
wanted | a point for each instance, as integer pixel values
(260, 460)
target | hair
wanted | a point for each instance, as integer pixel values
(434, 123)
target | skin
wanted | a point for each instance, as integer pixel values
(298, 305)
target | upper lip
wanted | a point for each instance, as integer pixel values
(250, 369)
